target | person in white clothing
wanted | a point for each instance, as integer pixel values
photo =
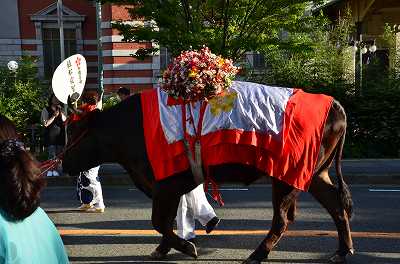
(89, 191)
(194, 205)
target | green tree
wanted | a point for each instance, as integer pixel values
(227, 27)
(21, 94)
(325, 64)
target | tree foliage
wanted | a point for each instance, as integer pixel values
(373, 118)
(315, 56)
(325, 64)
(21, 94)
(227, 27)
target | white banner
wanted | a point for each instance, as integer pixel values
(69, 78)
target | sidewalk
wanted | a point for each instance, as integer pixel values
(364, 171)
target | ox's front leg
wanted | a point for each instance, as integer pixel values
(166, 196)
(284, 200)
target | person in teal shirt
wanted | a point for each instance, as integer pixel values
(27, 235)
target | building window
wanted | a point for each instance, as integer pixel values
(51, 48)
(258, 61)
(165, 58)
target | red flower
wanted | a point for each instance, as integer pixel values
(196, 75)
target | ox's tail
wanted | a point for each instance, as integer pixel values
(344, 191)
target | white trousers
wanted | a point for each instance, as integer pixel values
(89, 188)
(193, 205)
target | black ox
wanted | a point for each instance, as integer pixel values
(116, 135)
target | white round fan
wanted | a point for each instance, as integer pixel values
(69, 78)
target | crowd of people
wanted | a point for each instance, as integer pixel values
(27, 235)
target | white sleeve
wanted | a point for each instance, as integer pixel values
(63, 114)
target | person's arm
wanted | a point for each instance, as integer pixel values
(46, 121)
(63, 115)
(3, 242)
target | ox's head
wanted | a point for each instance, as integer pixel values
(84, 149)
(114, 135)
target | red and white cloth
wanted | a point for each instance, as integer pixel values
(277, 130)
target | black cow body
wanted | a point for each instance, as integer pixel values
(116, 135)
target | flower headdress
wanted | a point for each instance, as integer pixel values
(196, 75)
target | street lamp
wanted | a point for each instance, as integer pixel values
(363, 48)
(372, 48)
(12, 65)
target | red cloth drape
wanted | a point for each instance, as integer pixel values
(291, 159)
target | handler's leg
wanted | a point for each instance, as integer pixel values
(96, 189)
(327, 194)
(201, 208)
(89, 191)
(283, 198)
(185, 220)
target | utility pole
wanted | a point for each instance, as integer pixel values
(61, 26)
(361, 67)
(99, 51)
(62, 50)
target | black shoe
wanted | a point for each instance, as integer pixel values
(158, 255)
(190, 249)
(212, 224)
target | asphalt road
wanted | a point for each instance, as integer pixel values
(361, 171)
(123, 234)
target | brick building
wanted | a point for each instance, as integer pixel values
(31, 28)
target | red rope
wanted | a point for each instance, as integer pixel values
(215, 193)
(50, 164)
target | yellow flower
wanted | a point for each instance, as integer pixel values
(222, 103)
(215, 111)
(192, 74)
(221, 62)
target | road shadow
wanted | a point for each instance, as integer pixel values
(225, 224)
(118, 259)
(63, 211)
(208, 244)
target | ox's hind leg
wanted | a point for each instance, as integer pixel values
(337, 200)
(284, 202)
(166, 195)
(328, 196)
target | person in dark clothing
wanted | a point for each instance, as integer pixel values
(52, 119)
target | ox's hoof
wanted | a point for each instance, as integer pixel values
(190, 249)
(340, 258)
(157, 255)
(336, 258)
(251, 261)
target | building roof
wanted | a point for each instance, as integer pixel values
(325, 5)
